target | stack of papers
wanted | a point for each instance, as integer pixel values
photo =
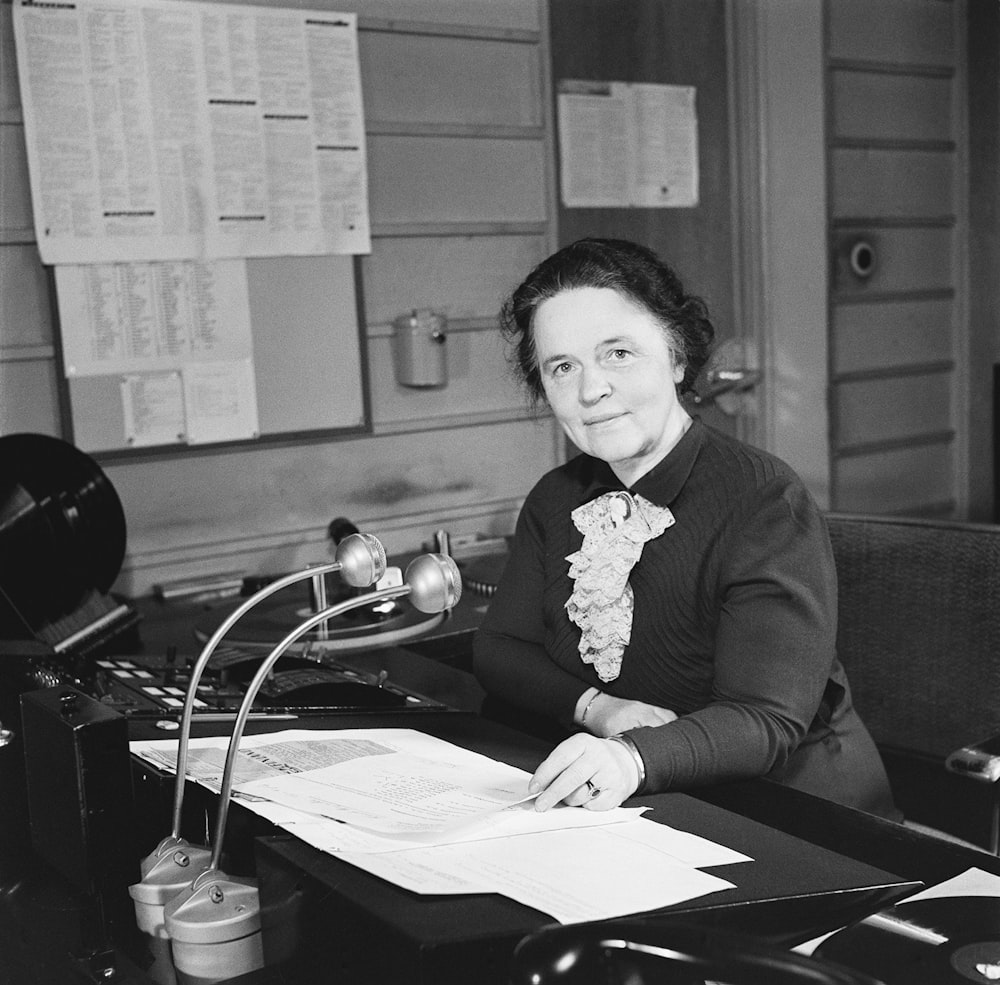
(432, 817)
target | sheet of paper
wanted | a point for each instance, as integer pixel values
(161, 130)
(299, 751)
(449, 821)
(665, 166)
(576, 875)
(400, 793)
(396, 782)
(972, 882)
(594, 142)
(691, 849)
(147, 317)
(627, 145)
(153, 409)
(220, 401)
(335, 837)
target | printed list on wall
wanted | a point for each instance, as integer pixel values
(177, 334)
(627, 145)
(179, 139)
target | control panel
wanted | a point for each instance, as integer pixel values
(144, 687)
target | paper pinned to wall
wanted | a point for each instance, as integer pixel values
(179, 335)
(209, 401)
(153, 409)
(220, 401)
(146, 317)
(628, 145)
(162, 130)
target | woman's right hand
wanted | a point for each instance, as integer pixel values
(608, 715)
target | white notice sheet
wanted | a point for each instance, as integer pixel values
(161, 130)
(627, 145)
(153, 409)
(143, 317)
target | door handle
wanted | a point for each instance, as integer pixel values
(723, 381)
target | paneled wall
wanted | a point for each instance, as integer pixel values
(461, 178)
(896, 166)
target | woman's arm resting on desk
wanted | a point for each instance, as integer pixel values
(605, 715)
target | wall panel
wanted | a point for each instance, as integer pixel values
(10, 94)
(891, 409)
(877, 106)
(891, 183)
(442, 80)
(240, 514)
(15, 198)
(503, 15)
(464, 277)
(907, 259)
(879, 336)
(909, 32)
(907, 481)
(28, 397)
(25, 309)
(456, 179)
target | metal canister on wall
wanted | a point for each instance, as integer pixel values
(420, 349)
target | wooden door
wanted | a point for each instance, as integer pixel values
(674, 42)
(897, 217)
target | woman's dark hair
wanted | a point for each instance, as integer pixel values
(636, 273)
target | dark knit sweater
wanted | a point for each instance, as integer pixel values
(734, 623)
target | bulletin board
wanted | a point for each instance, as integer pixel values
(201, 216)
(307, 326)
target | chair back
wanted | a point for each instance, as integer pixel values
(919, 628)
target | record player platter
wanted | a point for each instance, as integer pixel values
(924, 942)
(364, 628)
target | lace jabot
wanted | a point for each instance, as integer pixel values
(615, 527)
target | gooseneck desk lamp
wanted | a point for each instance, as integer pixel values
(170, 867)
(214, 924)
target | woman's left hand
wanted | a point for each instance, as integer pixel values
(585, 771)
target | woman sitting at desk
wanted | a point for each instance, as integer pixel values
(671, 592)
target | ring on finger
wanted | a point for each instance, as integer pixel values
(593, 789)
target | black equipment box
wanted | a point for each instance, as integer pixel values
(79, 787)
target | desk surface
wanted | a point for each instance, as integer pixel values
(792, 891)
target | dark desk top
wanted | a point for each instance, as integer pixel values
(816, 868)
(792, 891)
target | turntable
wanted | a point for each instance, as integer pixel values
(333, 668)
(384, 625)
(62, 541)
(924, 942)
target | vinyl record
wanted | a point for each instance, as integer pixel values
(62, 527)
(948, 941)
(272, 619)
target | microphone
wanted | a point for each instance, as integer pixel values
(220, 909)
(361, 560)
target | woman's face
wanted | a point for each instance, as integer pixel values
(610, 378)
